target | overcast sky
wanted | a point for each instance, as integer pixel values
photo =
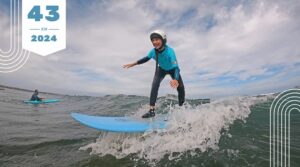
(223, 47)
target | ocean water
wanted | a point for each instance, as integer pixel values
(229, 132)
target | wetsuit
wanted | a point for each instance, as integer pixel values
(35, 97)
(167, 64)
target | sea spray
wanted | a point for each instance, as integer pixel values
(189, 128)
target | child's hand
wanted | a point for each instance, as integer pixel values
(174, 83)
(129, 65)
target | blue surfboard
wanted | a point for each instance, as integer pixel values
(42, 102)
(120, 124)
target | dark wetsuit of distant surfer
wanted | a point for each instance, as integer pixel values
(35, 97)
(166, 63)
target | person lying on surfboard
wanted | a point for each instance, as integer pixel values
(35, 97)
(166, 63)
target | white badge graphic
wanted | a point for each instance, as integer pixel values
(44, 26)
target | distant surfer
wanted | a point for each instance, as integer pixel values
(166, 63)
(35, 96)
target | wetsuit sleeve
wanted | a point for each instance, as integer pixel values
(151, 54)
(176, 73)
(147, 58)
(174, 64)
(32, 98)
(143, 60)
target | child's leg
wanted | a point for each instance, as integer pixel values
(181, 92)
(158, 77)
(180, 88)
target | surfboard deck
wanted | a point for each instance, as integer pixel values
(42, 102)
(119, 124)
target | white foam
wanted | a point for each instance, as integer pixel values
(190, 128)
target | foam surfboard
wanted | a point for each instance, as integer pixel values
(120, 124)
(42, 102)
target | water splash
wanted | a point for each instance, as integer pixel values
(189, 128)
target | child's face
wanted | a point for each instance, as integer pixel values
(157, 43)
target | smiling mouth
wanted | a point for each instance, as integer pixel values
(156, 46)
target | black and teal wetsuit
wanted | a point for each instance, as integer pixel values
(167, 64)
